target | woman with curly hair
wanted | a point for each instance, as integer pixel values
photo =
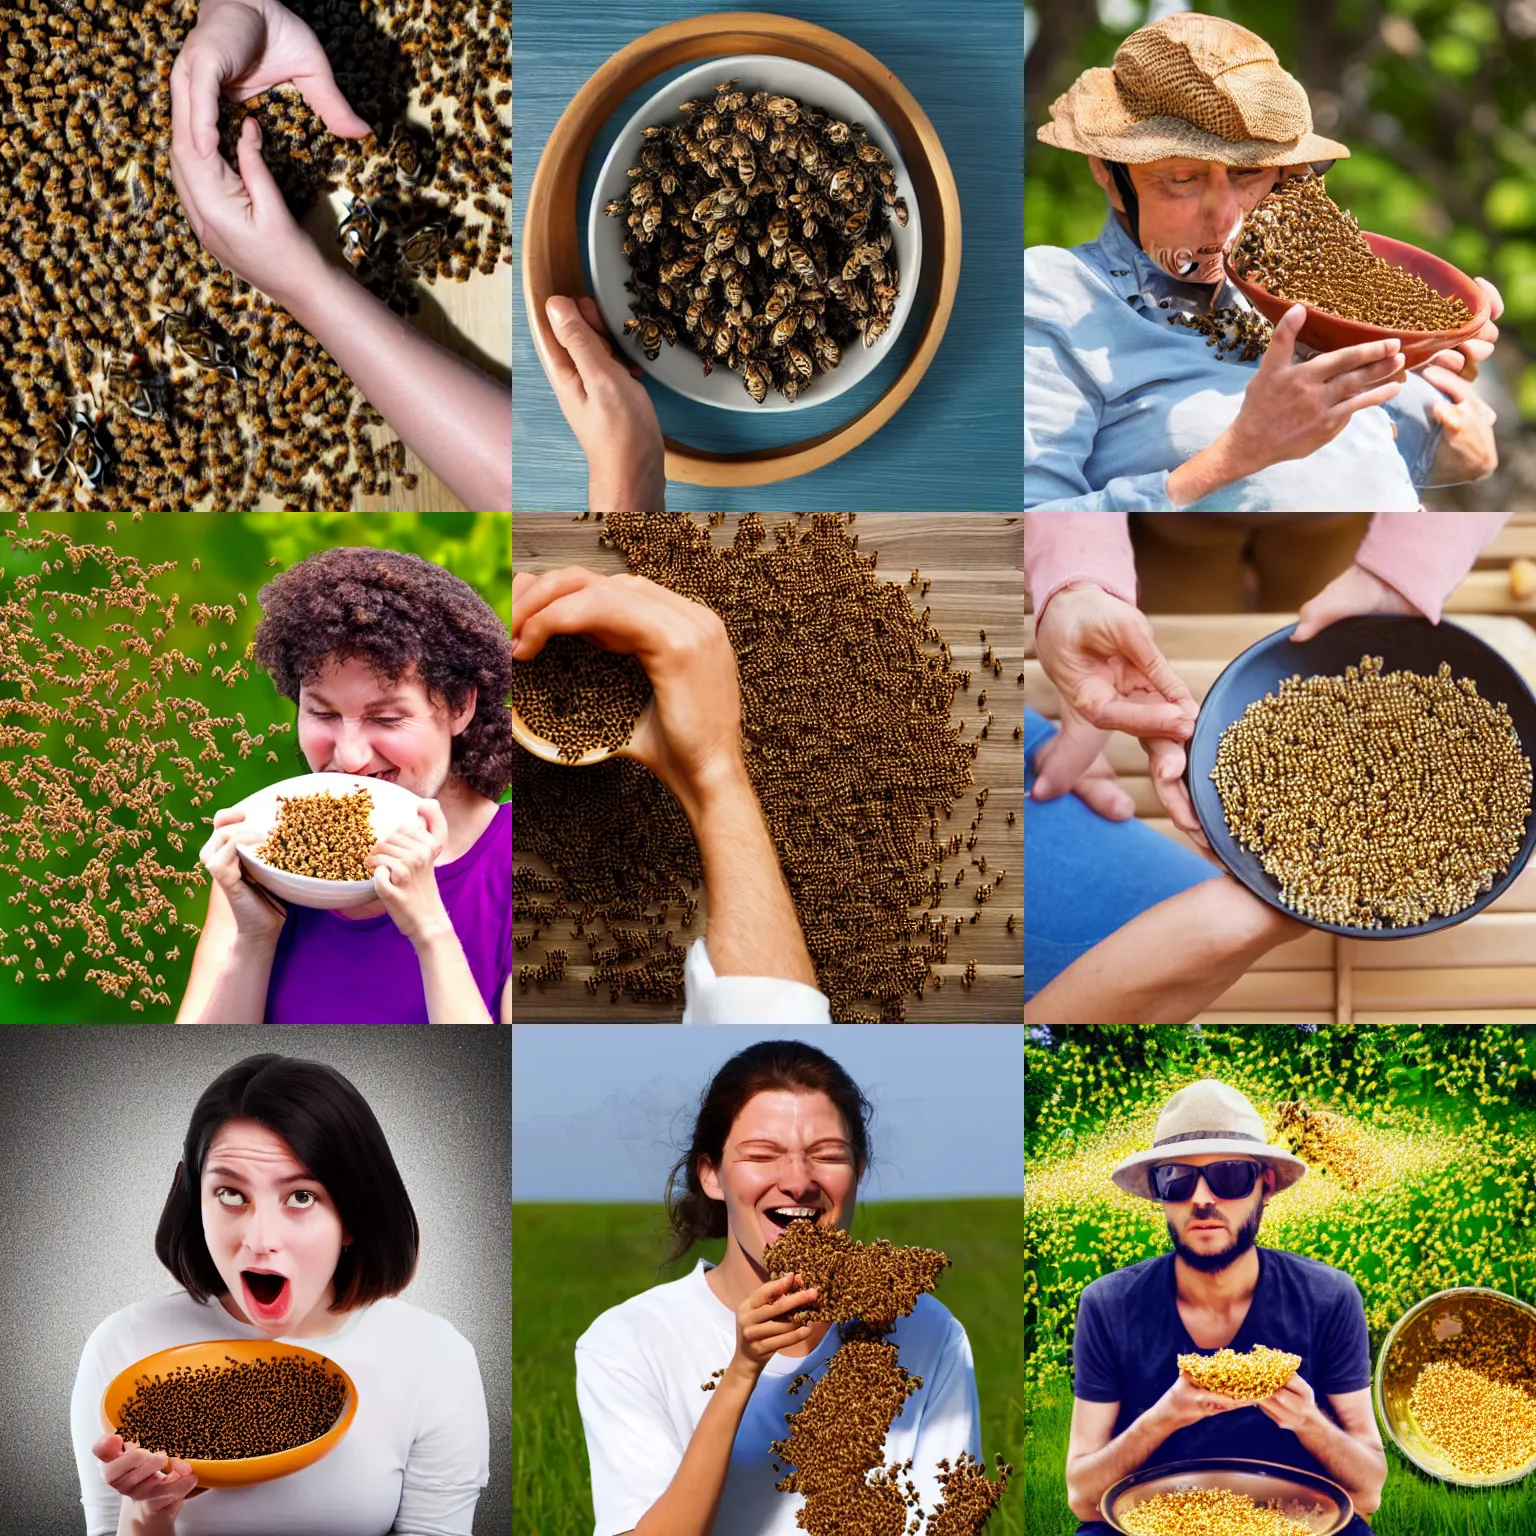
(400, 671)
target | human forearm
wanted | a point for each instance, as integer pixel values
(688, 1506)
(239, 994)
(1089, 1476)
(452, 995)
(455, 418)
(1169, 962)
(1206, 471)
(1360, 1469)
(640, 488)
(135, 1520)
(753, 927)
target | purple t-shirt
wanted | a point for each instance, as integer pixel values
(336, 970)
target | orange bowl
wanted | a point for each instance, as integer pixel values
(1324, 332)
(249, 1469)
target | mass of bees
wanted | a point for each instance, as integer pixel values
(229, 1413)
(578, 697)
(1214, 1512)
(758, 233)
(1483, 1426)
(1250, 1377)
(836, 1441)
(858, 790)
(324, 836)
(139, 373)
(1299, 245)
(81, 836)
(1446, 1196)
(1376, 799)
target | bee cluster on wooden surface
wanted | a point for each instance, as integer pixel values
(1299, 245)
(142, 374)
(846, 697)
(1215, 1512)
(126, 769)
(229, 1413)
(578, 697)
(1376, 799)
(757, 231)
(836, 1440)
(324, 836)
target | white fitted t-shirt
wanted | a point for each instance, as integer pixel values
(713, 999)
(639, 1370)
(413, 1461)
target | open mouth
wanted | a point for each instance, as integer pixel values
(779, 1217)
(268, 1291)
(390, 775)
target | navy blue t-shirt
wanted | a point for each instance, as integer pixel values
(1130, 1335)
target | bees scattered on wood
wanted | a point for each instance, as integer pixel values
(761, 238)
(141, 373)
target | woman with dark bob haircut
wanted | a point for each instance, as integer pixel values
(400, 671)
(782, 1133)
(287, 1220)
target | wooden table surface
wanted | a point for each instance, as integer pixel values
(975, 563)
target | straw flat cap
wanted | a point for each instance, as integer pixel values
(1207, 1116)
(1195, 86)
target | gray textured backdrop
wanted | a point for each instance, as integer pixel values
(91, 1126)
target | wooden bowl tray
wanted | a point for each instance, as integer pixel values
(553, 228)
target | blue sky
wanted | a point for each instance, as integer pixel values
(601, 1111)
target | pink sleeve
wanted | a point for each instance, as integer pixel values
(1426, 554)
(1063, 547)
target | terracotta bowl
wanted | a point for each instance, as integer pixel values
(250, 1469)
(1324, 332)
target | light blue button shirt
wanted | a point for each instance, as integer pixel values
(1116, 397)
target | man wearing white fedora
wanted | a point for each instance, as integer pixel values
(1213, 1171)
(1126, 410)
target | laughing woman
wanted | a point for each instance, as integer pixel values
(287, 1220)
(401, 671)
(782, 1129)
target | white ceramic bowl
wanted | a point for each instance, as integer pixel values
(679, 367)
(393, 807)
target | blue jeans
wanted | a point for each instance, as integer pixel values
(1084, 877)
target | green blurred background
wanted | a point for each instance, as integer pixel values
(233, 550)
(1434, 99)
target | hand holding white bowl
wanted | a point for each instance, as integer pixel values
(402, 874)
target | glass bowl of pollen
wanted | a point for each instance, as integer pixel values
(248, 1470)
(393, 807)
(1467, 1322)
(1317, 1503)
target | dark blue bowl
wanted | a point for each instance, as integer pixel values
(1404, 644)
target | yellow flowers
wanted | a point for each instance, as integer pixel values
(1250, 1378)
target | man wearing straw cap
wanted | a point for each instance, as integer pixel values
(1127, 410)
(1213, 1171)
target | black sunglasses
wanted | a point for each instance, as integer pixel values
(1227, 1181)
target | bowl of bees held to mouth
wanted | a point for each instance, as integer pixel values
(306, 839)
(238, 1411)
(753, 239)
(1297, 246)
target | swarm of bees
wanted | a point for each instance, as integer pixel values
(758, 232)
(141, 374)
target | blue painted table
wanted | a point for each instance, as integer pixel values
(957, 444)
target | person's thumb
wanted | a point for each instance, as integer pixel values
(588, 350)
(1315, 616)
(329, 105)
(1282, 343)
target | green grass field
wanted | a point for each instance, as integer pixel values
(571, 1262)
(1411, 1503)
